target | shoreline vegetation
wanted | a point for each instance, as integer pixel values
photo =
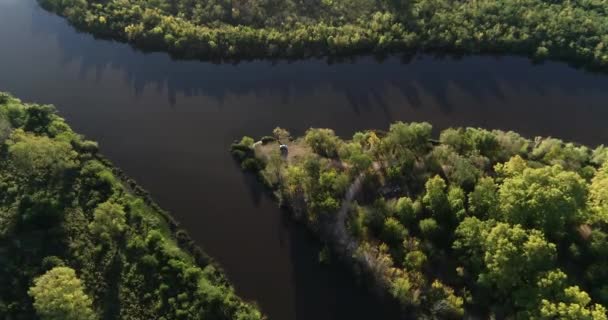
(79, 239)
(574, 31)
(471, 223)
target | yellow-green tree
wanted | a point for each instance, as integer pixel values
(109, 221)
(598, 195)
(59, 295)
(547, 198)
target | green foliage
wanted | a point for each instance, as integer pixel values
(64, 210)
(445, 304)
(109, 221)
(513, 256)
(470, 240)
(39, 157)
(405, 211)
(547, 198)
(401, 289)
(393, 231)
(354, 154)
(247, 141)
(598, 196)
(281, 135)
(435, 198)
(599, 155)
(428, 227)
(415, 260)
(573, 305)
(59, 295)
(403, 138)
(322, 141)
(494, 215)
(483, 200)
(572, 30)
(567, 155)
(457, 200)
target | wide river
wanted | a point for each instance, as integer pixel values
(169, 125)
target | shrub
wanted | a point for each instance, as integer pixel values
(267, 139)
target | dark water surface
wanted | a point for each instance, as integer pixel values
(168, 124)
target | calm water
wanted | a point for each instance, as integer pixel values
(169, 124)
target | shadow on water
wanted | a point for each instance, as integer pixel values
(362, 80)
(342, 301)
(169, 125)
(331, 288)
(457, 88)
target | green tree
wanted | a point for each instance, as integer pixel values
(428, 227)
(393, 232)
(457, 200)
(403, 137)
(354, 154)
(445, 304)
(415, 260)
(405, 211)
(556, 152)
(572, 304)
(403, 290)
(435, 198)
(599, 155)
(598, 195)
(59, 295)
(109, 221)
(40, 156)
(513, 258)
(470, 242)
(454, 137)
(547, 198)
(483, 142)
(483, 200)
(322, 141)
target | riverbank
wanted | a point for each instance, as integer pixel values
(427, 221)
(151, 113)
(68, 212)
(570, 31)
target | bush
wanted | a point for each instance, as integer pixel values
(267, 139)
(323, 141)
(251, 164)
(4, 97)
(415, 260)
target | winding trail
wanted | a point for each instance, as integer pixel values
(343, 239)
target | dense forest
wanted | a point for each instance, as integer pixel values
(80, 240)
(573, 30)
(472, 222)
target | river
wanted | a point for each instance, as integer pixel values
(169, 125)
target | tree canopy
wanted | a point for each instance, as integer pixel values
(59, 295)
(475, 221)
(80, 240)
(572, 30)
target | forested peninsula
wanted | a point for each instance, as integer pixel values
(572, 30)
(470, 223)
(80, 240)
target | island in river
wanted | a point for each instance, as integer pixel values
(474, 222)
(80, 240)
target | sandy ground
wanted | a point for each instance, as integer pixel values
(297, 150)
